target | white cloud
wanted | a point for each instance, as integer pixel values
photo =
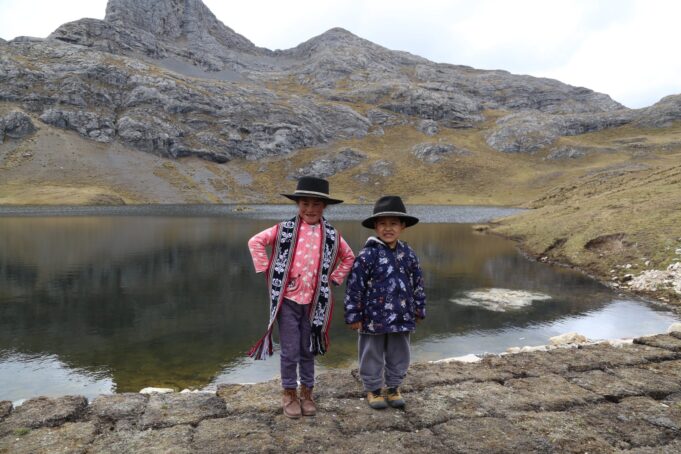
(623, 48)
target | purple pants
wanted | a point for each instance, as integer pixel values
(294, 339)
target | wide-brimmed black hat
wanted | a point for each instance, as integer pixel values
(313, 187)
(389, 205)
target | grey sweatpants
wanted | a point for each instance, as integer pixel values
(294, 340)
(383, 358)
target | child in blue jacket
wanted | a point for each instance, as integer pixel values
(384, 299)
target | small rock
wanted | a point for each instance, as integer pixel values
(470, 358)
(568, 338)
(620, 342)
(428, 127)
(534, 348)
(674, 328)
(434, 152)
(152, 390)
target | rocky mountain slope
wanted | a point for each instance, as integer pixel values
(165, 76)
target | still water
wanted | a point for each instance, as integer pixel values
(100, 300)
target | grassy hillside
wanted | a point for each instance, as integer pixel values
(612, 221)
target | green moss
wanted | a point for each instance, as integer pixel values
(20, 432)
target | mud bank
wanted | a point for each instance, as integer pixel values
(595, 398)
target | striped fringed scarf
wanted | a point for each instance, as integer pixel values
(277, 279)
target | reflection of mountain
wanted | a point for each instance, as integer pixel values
(172, 312)
(171, 301)
(139, 313)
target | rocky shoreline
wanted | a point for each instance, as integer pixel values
(604, 397)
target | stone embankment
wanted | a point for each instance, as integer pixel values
(592, 398)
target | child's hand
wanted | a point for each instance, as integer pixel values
(418, 320)
(355, 326)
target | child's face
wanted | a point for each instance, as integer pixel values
(388, 229)
(311, 209)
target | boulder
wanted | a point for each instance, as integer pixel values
(384, 118)
(152, 390)
(380, 168)
(568, 338)
(15, 125)
(44, 412)
(88, 124)
(330, 164)
(428, 127)
(434, 152)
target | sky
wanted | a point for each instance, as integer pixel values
(624, 48)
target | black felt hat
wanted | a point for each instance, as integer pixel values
(313, 187)
(389, 205)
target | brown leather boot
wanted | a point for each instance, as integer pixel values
(307, 405)
(291, 404)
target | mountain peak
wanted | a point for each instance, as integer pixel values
(176, 19)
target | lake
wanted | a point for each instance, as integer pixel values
(115, 299)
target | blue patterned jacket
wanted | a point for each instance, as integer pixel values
(385, 289)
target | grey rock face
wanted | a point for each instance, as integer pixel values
(15, 125)
(108, 98)
(182, 28)
(661, 114)
(110, 87)
(88, 124)
(503, 90)
(176, 19)
(450, 107)
(528, 132)
(434, 152)
(338, 55)
(330, 164)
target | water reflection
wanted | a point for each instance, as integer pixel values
(118, 303)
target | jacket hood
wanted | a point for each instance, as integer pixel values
(374, 241)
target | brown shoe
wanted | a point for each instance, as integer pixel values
(376, 400)
(290, 403)
(307, 405)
